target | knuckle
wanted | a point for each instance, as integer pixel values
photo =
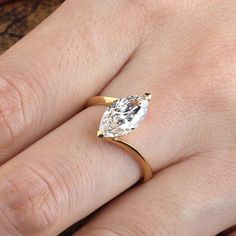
(219, 62)
(29, 202)
(208, 82)
(12, 117)
(161, 12)
(220, 91)
(154, 14)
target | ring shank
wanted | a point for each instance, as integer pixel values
(100, 101)
(146, 170)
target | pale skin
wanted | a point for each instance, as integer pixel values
(184, 53)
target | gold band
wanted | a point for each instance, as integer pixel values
(146, 170)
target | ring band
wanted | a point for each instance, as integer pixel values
(121, 117)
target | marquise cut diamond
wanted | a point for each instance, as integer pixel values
(124, 115)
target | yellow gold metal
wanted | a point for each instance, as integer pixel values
(146, 170)
(99, 134)
(100, 101)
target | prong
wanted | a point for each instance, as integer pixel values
(100, 134)
(148, 95)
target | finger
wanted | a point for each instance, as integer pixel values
(46, 77)
(62, 178)
(81, 174)
(176, 202)
(188, 111)
(69, 173)
(66, 176)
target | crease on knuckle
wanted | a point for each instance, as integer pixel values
(208, 86)
(29, 202)
(215, 68)
(12, 112)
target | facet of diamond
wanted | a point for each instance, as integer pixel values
(124, 115)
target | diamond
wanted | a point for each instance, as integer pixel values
(124, 115)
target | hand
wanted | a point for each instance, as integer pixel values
(55, 174)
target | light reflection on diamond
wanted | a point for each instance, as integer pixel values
(124, 115)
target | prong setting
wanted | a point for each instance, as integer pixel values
(148, 96)
(100, 134)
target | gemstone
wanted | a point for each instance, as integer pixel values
(124, 115)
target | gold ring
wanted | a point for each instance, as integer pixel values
(123, 116)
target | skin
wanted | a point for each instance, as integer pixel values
(55, 171)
